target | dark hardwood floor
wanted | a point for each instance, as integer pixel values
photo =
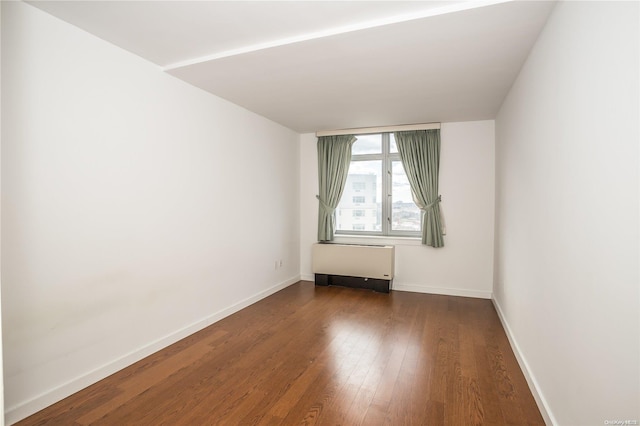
(325, 355)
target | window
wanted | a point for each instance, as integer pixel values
(377, 197)
(359, 186)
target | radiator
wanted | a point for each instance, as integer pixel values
(353, 265)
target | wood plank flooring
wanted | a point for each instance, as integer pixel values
(326, 356)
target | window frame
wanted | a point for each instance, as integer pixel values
(386, 158)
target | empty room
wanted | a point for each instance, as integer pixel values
(320, 212)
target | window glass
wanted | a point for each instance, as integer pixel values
(405, 215)
(367, 144)
(393, 148)
(358, 210)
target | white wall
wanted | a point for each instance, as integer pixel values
(567, 282)
(136, 209)
(465, 265)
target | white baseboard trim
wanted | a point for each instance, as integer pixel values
(27, 408)
(547, 415)
(414, 288)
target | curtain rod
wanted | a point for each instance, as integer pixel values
(384, 129)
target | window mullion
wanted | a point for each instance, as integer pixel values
(366, 157)
(386, 173)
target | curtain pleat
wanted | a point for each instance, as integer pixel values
(420, 154)
(334, 158)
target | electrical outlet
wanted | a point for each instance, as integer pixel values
(280, 263)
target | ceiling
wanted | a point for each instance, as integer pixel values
(323, 65)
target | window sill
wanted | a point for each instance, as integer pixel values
(377, 240)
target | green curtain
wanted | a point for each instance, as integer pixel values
(420, 154)
(334, 158)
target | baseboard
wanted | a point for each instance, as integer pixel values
(27, 408)
(414, 288)
(307, 277)
(548, 417)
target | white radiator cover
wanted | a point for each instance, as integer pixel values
(354, 260)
